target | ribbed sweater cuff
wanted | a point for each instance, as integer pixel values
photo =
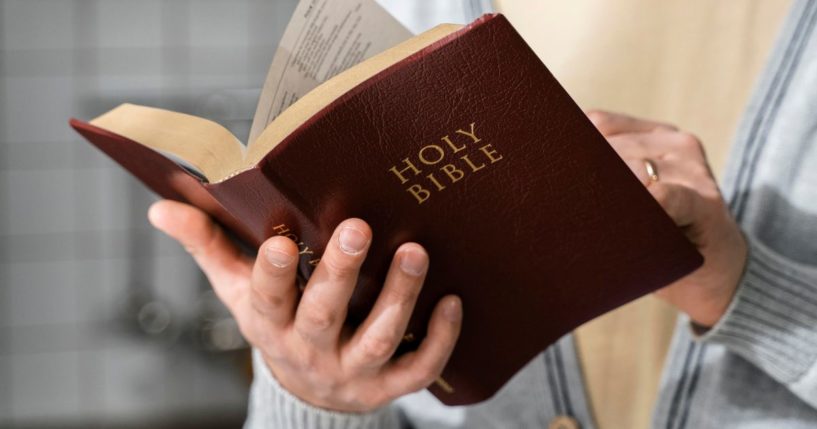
(772, 320)
(271, 406)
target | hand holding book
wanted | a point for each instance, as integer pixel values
(686, 189)
(302, 335)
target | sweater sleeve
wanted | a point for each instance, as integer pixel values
(271, 406)
(772, 320)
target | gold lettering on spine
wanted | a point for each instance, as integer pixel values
(303, 250)
(454, 166)
(284, 230)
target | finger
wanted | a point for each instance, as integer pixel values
(375, 341)
(670, 145)
(639, 168)
(322, 310)
(420, 368)
(644, 145)
(681, 203)
(688, 146)
(273, 290)
(663, 171)
(610, 124)
(220, 259)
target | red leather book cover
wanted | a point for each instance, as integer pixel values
(471, 148)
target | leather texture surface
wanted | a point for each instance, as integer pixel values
(555, 233)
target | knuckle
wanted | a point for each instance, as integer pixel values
(617, 142)
(407, 295)
(690, 141)
(263, 299)
(598, 117)
(340, 267)
(699, 170)
(266, 305)
(717, 198)
(375, 348)
(627, 144)
(319, 319)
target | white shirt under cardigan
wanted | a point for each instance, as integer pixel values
(756, 369)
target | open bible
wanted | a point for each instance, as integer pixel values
(459, 139)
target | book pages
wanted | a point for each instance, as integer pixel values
(323, 38)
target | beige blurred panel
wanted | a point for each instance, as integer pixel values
(689, 62)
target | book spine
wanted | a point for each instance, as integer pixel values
(265, 208)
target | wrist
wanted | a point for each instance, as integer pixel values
(708, 311)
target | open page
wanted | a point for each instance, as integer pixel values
(323, 38)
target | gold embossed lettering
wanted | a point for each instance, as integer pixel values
(436, 183)
(454, 147)
(471, 133)
(491, 153)
(420, 194)
(284, 230)
(425, 160)
(454, 173)
(470, 163)
(453, 161)
(409, 167)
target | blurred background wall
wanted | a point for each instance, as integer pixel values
(104, 322)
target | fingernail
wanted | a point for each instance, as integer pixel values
(413, 262)
(352, 241)
(278, 258)
(453, 310)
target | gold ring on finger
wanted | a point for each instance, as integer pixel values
(652, 170)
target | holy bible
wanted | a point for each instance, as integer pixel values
(459, 139)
